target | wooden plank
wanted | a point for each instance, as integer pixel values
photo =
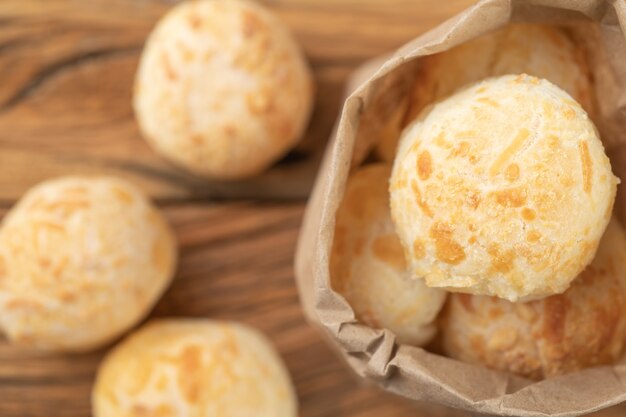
(213, 281)
(66, 71)
(236, 265)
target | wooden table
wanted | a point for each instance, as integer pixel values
(66, 70)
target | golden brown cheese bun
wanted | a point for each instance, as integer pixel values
(200, 368)
(222, 88)
(84, 259)
(584, 326)
(539, 50)
(368, 267)
(502, 189)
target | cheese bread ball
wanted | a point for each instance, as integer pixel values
(367, 263)
(539, 50)
(584, 326)
(84, 259)
(200, 368)
(502, 189)
(222, 88)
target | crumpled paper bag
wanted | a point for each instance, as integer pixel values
(412, 372)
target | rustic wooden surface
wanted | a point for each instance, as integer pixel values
(66, 69)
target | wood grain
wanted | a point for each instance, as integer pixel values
(66, 69)
(236, 265)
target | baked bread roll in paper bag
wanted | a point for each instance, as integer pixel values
(375, 355)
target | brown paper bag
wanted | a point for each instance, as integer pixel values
(414, 372)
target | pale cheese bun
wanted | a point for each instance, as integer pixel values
(502, 189)
(222, 88)
(193, 367)
(368, 266)
(585, 326)
(82, 260)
